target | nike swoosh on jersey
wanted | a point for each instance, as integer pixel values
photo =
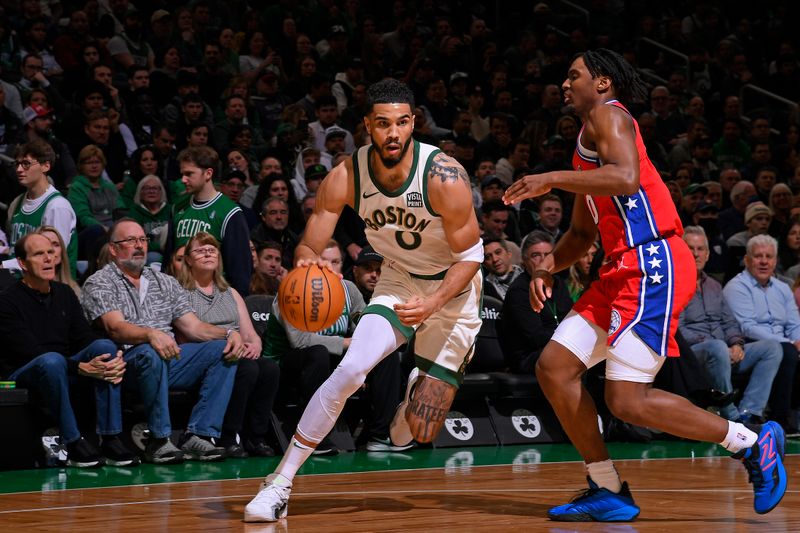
(365, 195)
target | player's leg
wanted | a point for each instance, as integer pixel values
(443, 346)
(559, 373)
(373, 339)
(630, 397)
(579, 344)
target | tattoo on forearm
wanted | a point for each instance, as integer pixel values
(447, 170)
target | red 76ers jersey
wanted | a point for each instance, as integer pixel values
(623, 221)
(649, 276)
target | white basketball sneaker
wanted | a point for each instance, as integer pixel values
(270, 504)
(399, 432)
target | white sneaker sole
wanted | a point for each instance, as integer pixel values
(252, 516)
(257, 517)
(386, 448)
(399, 432)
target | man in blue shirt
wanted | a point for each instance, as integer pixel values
(709, 326)
(765, 309)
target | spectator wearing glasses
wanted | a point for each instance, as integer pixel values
(140, 309)
(524, 332)
(214, 213)
(41, 204)
(256, 382)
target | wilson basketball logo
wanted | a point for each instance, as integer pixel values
(311, 298)
(316, 298)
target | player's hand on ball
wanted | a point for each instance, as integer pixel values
(541, 288)
(529, 186)
(322, 263)
(415, 311)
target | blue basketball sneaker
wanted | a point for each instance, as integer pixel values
(764, 464)
(597, 505)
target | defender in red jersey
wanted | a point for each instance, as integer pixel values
(629, 316)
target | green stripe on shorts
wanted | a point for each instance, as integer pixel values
(391, 316)
(438, 371)
(429, 277)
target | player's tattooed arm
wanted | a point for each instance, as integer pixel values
(446, 169)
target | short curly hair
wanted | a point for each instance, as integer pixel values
(389, 91)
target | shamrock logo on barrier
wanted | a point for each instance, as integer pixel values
(459, 426)
(526, 423)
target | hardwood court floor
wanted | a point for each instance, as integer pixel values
(707, 493)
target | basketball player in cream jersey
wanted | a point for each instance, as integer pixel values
(416, 203)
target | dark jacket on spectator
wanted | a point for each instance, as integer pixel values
(523, 332)
(32, 323)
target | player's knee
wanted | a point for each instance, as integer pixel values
(347, 378)
(550, 367)
(428, 408)
(624, 407)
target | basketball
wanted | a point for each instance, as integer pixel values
(311, 298)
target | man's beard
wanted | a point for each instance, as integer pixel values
(134, 264)
(392, 162)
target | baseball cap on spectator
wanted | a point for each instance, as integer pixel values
(35, 111)
(553, 140)
(755, 209)
(492, 179)
(541, 7)
(131, 11)
(335, 131)
(693, 188)
(705, 207)
(456, 76)
(159, 14)
(316, 172)
(368, 254)
(338, 29)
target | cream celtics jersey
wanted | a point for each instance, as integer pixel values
(401, 225)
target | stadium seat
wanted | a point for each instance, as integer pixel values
(259, 307)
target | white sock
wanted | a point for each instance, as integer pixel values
(738, 437)
(296, 454)
(605, 475)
